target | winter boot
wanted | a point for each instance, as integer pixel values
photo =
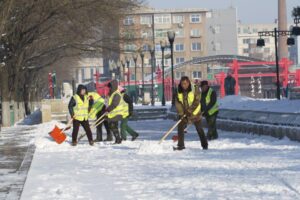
(109, 137)
(91, 143)
(74, 143)
(179, 148)
(99, 136)
(134, 137)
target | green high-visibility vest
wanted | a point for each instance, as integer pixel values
(191, 97)
(81, 112)
(97, 106)
(215, 108)
(121, 109)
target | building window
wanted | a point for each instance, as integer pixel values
(195, 32)
(196, 46)
(179, 60)
(132, 76)
(146, 19)
(129, 35)
(162, 19)
(179, 33)
(179, 47)
(128, 21)
(146, 34)
(197, 75)
(179, 75)
(177, 19)
(146, 47)
(195, 18)
(246, 30)
(246, 41)
(161, 33)
(245, 50)
(130, 47)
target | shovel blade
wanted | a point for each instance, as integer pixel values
(57, 135)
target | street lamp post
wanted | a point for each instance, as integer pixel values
(276, 34)
(143, 83)
(119, 70)
(135, 57)
(123, 66)
(152, 53)
(163, 46)
(260, 43)
(128, 78)
(171, 37)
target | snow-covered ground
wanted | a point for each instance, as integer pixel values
(236, 166)
(271, 105)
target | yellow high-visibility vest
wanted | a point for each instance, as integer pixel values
(121, 109)
(97, 106)
(215, 108)
(81, 109)
(191, 97)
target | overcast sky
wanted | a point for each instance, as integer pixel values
(249, 11)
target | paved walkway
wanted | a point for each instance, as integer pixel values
(16, 153)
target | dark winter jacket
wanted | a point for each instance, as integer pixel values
(229, 85)
(213, 99)
(184, 108)
(72, 102)
(113, 85)
(129, 101)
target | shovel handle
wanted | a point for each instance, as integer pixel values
(173, 127)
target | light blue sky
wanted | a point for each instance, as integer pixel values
(249, 11)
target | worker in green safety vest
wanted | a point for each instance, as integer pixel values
(210, 109)
(97, 110)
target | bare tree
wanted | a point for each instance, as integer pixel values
(38, 33)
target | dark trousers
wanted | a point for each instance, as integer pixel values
(182, 125)
(99, 130)
(86, 126)
(212, 126)
(114, 127)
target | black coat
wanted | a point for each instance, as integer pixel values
(213, 99)
(129, 101)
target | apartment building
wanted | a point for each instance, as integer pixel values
(148, 27)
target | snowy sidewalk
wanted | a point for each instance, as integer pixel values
(237, 166)
(16, 153)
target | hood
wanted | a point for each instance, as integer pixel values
(113, 85)
(79, 88)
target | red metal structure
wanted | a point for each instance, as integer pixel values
(236, 66)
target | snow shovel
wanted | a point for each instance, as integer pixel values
(169, 131)
(58, 134)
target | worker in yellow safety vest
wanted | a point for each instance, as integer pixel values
(188, 107)
(98, 108)
(210, 109)
(79, 111)
(117, 109)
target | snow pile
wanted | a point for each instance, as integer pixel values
(271, 105)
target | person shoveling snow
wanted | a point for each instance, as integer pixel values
(188, 107)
